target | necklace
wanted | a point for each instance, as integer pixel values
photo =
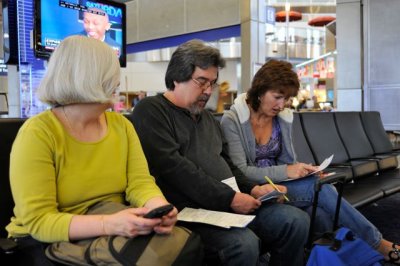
(260, 123)
(69, 125)
(80, 134)
(256, 120)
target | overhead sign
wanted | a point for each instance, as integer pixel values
(270, 16)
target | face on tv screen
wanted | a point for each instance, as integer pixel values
(100, 19)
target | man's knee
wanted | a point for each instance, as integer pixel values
(298, 216)
(290, 221)
(299, 222)
(249, 244)
(245, 248)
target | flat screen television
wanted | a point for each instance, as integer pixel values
(101, 19)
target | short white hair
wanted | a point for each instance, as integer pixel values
(80, 70)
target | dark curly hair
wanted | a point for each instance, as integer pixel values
(274, 75)
(187, 57)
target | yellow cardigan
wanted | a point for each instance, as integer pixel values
(53, 176)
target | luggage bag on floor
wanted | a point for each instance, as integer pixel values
(339, 247)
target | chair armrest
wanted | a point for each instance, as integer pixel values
(342, 165)
(368, 159)
(335, 178)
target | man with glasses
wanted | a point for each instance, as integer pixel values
(187, 155)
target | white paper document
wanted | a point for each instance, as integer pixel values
(324, 164)
(221, 219)
(232, 183)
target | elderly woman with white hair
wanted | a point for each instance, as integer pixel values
(77, 171)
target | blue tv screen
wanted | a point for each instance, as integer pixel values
(101, 19)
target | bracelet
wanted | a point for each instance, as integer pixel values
(102, 225)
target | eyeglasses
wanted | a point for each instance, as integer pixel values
(205, 84)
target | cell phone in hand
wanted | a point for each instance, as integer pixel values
(159, 211)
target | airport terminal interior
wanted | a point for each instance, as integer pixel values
(345, 54)
(334, 46)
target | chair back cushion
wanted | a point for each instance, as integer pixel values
(375, 131)
(8, 131)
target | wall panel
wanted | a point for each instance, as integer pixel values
(155, 19)
(381, 60)
(213, 14)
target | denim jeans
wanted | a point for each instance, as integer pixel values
(278, 228)
(283, 230)
(301, 194)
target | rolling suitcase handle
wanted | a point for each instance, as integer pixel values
(339, 247)
(339, 179)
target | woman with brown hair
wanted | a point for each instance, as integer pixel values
(259, 133)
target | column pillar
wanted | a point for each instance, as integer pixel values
(349, 56)
(14, 106)
(252, 22)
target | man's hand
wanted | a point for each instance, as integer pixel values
(244, 203)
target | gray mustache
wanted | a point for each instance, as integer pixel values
(203, 97)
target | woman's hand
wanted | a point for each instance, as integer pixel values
(259, 191)
(129, 223)
(167, 222)
(300, 170)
